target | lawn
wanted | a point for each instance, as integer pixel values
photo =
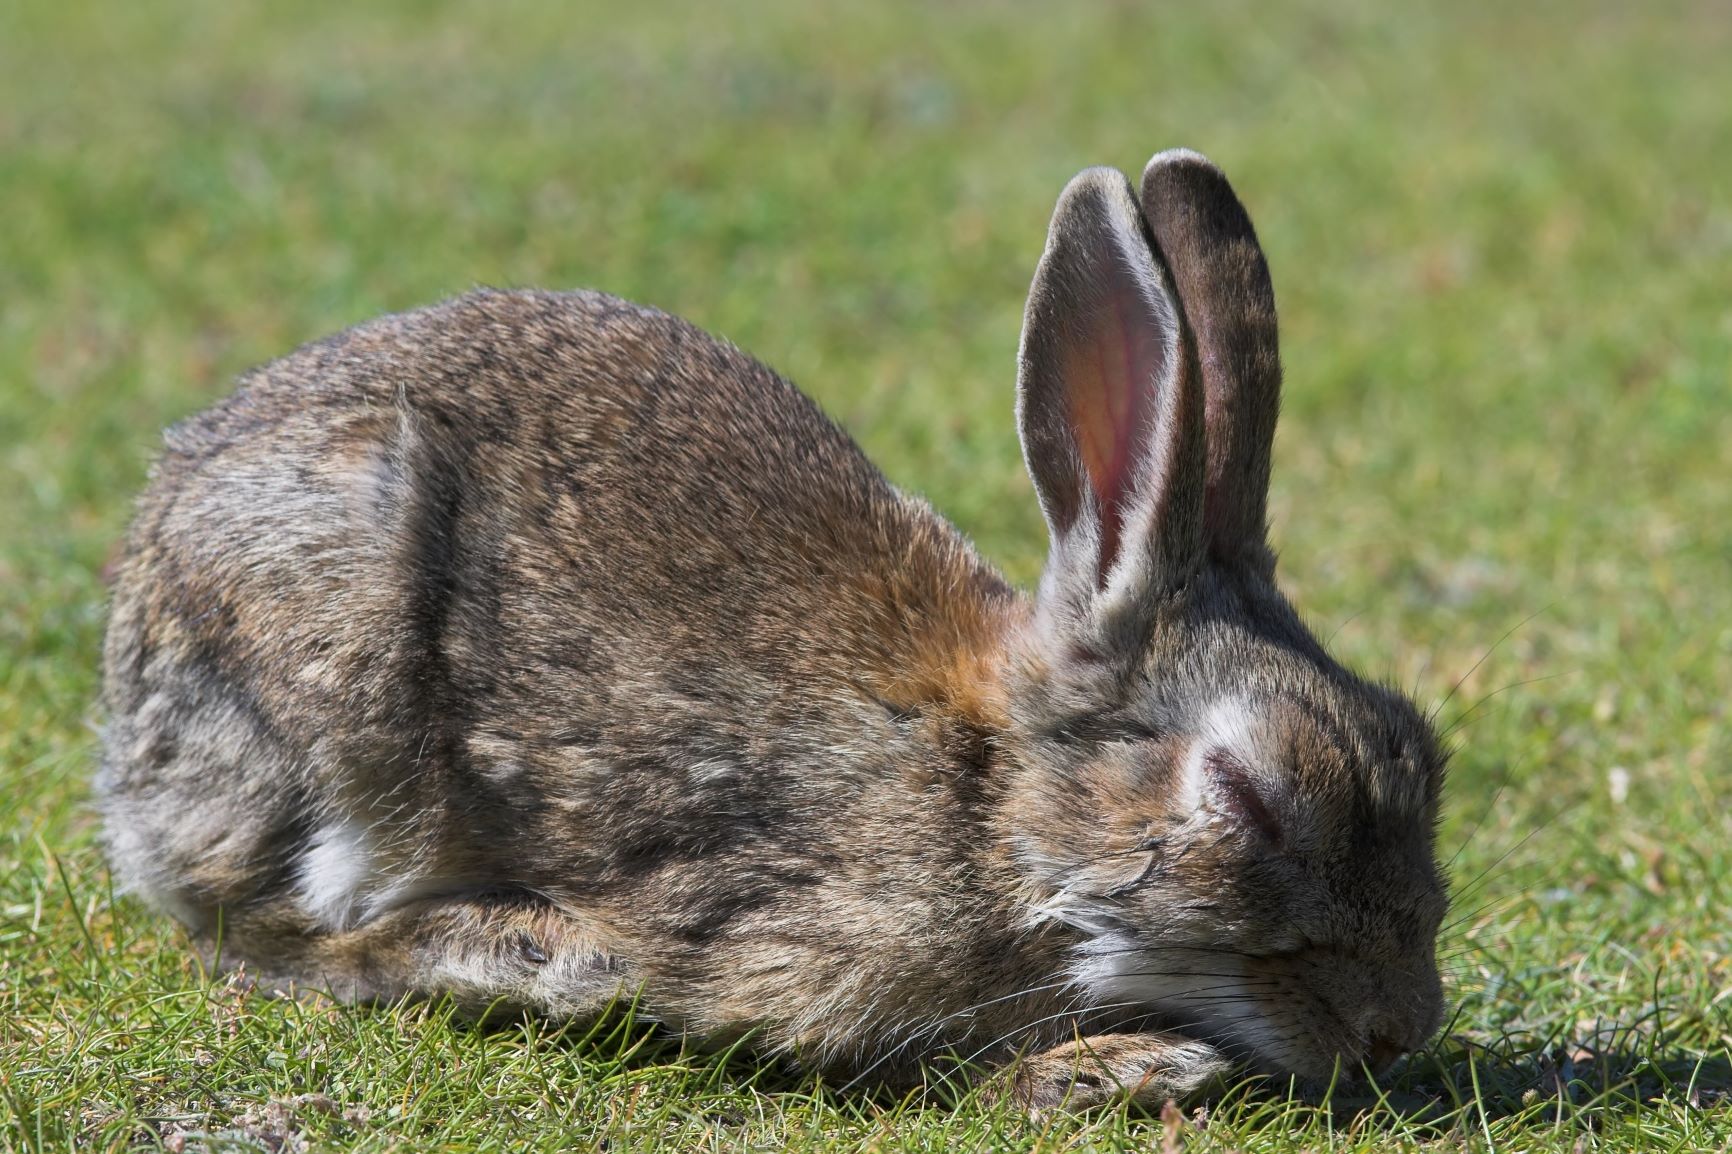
(1501, 238)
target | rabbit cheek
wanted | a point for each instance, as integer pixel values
(1209, 993)
(1272, 1013)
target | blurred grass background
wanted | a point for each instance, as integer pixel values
(1501, 236)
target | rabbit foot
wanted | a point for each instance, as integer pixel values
(1147, 1069)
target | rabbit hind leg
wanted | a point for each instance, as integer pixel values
(484, 951)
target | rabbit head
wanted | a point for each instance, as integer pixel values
(1239, 830)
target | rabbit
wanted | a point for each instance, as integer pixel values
(538, 649)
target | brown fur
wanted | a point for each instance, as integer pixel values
(541, 648)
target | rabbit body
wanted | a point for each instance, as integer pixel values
(558, 603)
(540, 648)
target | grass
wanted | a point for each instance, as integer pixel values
(1501, 237)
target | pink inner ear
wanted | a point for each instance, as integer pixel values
(1111, 388)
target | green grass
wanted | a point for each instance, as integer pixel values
(1501, 237)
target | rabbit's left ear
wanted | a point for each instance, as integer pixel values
(1205, 238)
(1110, 412)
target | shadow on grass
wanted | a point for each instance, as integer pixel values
(1458, 1084)
(1458, 1081)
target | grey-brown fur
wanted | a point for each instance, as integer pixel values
(540, 648)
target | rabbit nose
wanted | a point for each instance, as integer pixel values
(1382, 1052)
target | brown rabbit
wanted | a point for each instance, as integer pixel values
(539, 648)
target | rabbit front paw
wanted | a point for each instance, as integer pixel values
(1147, 1069)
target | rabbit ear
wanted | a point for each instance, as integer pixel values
(1109, 410)
(1205, 237)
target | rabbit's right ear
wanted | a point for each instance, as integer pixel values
(1109, 407)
